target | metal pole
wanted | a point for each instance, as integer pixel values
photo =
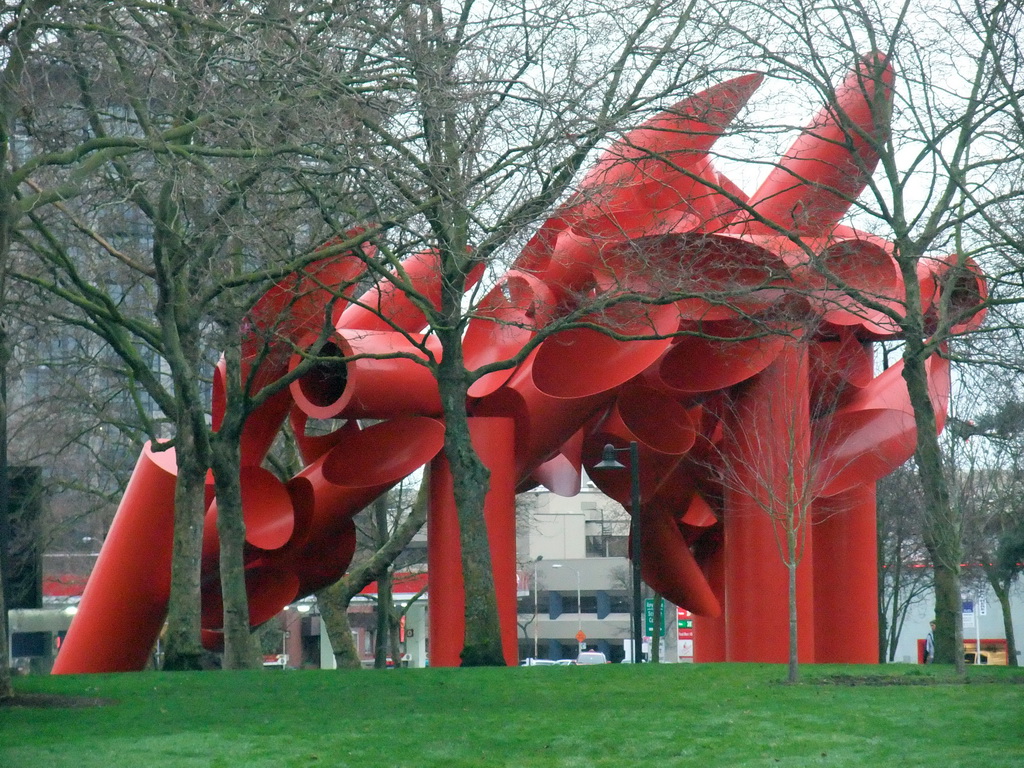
(634, 471)
(536, 615)
(284, 647)
(579, 604)
(977, 626)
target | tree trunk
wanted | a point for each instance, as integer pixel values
(1003, 595)
(182, 647)
(381, 640)
(334, 600)
(892, 626)
(240, 651)
(181, 346)
(949, 641)
(942, 534)
(6, 685)
(883, 619)
(8, 216)
(470, 481)
(793, 672)
(382, 637)
(333, 604)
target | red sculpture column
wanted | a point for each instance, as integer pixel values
(846, 577)
(494, 441)
(125, 600)
(768, 448)
(709, 634)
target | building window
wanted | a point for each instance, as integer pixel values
(543, 603)
(606, 536)
(618, 603)
(605, 544)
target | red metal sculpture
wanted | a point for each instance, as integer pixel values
(769, 319)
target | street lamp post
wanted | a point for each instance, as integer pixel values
(579, 605)
(536, 614)
(301, 609)
(608, 461)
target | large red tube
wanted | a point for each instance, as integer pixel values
(644, 167)
(293, 308)
(814, 184)
(543, 422)
(509, 316)
(582, 362)
(846, 578)
(125, 600)
(709, 632)
(766, 494)
(357, 471)
(384, 374)
(266, 511)
(669, 567)
(662, 429)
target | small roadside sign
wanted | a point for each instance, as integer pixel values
(685, 634)
(968, 609)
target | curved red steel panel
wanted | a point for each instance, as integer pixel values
(266, 511)
(387, 307)
(582, 362)
(506, 320)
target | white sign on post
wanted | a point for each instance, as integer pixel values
(968, 608)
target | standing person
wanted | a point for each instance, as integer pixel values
(929, 644)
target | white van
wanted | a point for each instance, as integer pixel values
(591, 657)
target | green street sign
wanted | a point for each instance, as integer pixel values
(649, 617)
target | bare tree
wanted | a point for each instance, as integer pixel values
(773, 461)
(6, 685)
(335, 599)
(21, 26)
(986, 475)
(958, 78)
(492, 110)
(903, 578)
(196, 172)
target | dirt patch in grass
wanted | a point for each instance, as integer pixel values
(884, 680)
(53, 701)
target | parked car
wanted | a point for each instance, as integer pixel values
(591, 657)
(531, 662)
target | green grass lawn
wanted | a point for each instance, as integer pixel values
(613, 715)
